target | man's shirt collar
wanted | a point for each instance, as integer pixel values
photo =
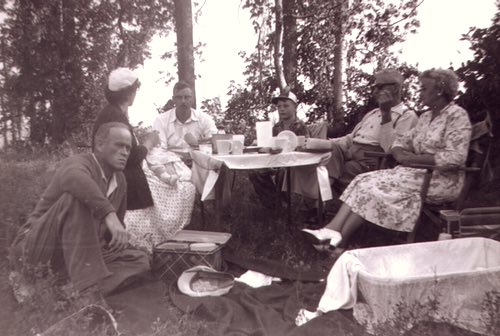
(111, 184)
(194, 117)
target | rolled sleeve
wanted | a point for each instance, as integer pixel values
(456, 139)
(343, 142)
(207, 126)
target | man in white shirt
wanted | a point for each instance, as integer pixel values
(183, 126)
(375, 132)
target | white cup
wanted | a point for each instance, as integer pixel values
(240, 137)
(301, 140)
(224, 147)
(237, 147)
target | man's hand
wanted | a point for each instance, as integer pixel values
(119, 237)
(190, 139)
(313, 143)
(385, 101)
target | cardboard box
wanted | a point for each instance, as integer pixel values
(186, 249)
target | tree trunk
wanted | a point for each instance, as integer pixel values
(185, 50)
(290, 43)
(3, 108)
(278, 38)
(337, 114)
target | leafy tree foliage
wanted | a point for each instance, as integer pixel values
(59, 53)
(370, 30)
(481, 77)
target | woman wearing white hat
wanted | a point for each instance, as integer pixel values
(120, 93)
(156, 210)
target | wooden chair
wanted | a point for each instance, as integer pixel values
(453, 217)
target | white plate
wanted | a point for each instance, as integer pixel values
(292, 142)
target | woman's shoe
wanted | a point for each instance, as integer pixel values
(323, 236)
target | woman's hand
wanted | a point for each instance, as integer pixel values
(406, 157)
(402, 155)
(190, 139)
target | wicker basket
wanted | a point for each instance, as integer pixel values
(174, 256)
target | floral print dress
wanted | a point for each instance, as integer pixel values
(391, 197)
(173, 205)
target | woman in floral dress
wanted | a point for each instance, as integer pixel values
(391, 198)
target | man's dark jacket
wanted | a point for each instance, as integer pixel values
(138, 192)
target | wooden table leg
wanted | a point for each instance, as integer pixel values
(320, 209)
(202, 210)
(219, 188)
(289, 194)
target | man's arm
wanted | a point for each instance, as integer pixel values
(208, 127)
(396, 127)
(76, 179)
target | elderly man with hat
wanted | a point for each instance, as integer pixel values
(375, 132)
(268, 182)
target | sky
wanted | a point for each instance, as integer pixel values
(225, 29)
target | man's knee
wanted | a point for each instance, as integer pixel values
(335, 165)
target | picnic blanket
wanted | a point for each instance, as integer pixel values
(265, 311)
(276, 268)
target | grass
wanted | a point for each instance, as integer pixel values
(256, 234)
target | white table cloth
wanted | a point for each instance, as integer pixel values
(206, 169)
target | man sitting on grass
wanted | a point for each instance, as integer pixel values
(77, 226)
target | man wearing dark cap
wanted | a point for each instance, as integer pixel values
(286, 104)
(375, 132)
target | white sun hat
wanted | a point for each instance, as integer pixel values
(204, 281)
(121, 78)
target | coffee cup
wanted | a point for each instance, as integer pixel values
(240, 137)
(237, 147)
(301, 140)
(224, 147)
(216, 137)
